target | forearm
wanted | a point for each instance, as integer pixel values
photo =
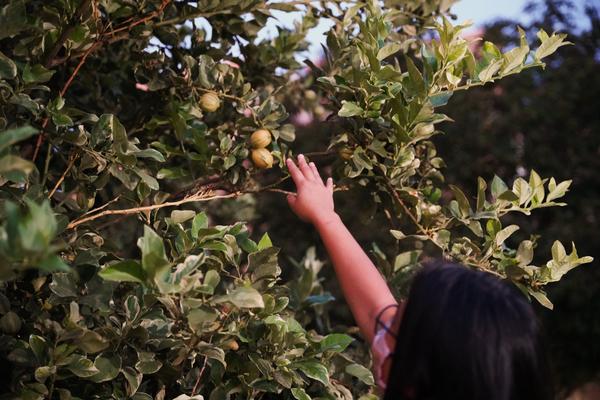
(363, 286)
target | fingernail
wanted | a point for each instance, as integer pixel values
(312, 163)
(301, 156)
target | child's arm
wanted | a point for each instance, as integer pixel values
(364, 289)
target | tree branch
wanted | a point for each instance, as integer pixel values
(72, 159)
(66, 32)
(195, 198)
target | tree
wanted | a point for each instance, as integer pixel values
(113, 110)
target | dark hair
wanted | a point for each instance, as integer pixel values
(467, 335)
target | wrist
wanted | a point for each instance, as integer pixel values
(324, 220)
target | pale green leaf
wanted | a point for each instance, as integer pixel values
(349, 109)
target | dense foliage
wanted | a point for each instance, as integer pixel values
(115, 114)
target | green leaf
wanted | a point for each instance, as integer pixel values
(463, 202)
(515, 58)
(549, 44)
(43, 373)
(486, 74)
(558, 251)
(39, 346)
(150, 153)
(243, 297)
(154, 259)
(541, 297)
(287, 132)
(300, 394)
(10, 163)
(399, 235)
(498, 186)
(134, 380)
(81, 366)
(123, 271)
(335, 342)
(388, 50)
(12, 136)
(265, 242)
(557, 191)
(200, 318)
(147, 363)
(406, 259)
(36, 74)
(180, 216)
(350, 109)
(200, 222)
(148, 179)
(108, 368)
(91, 342)
(63, 285)
(314, 370)
(525, 253)
(362, 373)
(505, 234)
(8, 69)
(440, 99)
(13, 18)
(481, 187)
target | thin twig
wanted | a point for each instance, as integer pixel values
(145, 19)
(405, 208)
(95, 210)
(62, 92)
(78, 67)
(72, 159)
(195, 389)
(135, 210)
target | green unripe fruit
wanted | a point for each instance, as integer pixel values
(260, 139)
(210, 102)
(10, 323)
(262, 158)
(84, 202)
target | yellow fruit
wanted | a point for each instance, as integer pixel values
(46, 305)
(260, 139)
(310, 95)
(426, 129)
(262, 158)
(210, 102)
(319, 110)
(345, 153)
(231, 345)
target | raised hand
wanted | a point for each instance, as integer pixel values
(313, 201)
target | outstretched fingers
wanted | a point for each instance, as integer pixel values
(329, 184)
(306, 171)
(296, 174)
(315, 172)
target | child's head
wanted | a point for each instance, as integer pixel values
(465, 335)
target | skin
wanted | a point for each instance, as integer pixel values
(365, 290)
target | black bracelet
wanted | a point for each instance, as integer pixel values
(378, 319)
